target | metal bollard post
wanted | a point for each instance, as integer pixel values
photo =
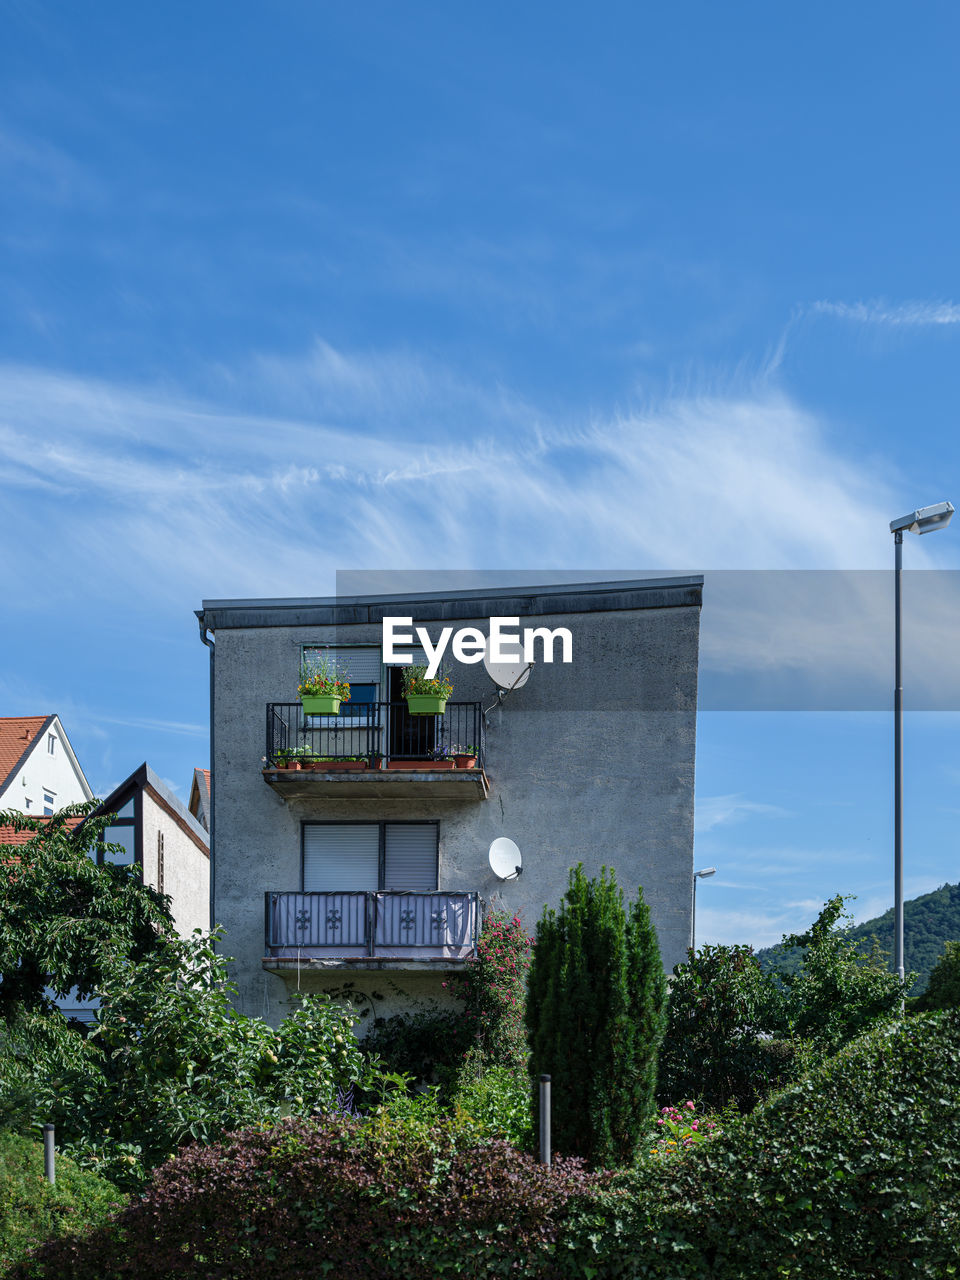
(49, 1171)
(545, 1120)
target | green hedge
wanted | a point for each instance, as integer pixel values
(854, 1171)
(31, 1211)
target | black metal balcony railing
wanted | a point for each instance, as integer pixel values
(373, 731)
(390, 924)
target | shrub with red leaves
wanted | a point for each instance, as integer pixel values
(332, 1198)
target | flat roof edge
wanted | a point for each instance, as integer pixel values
(532, 601)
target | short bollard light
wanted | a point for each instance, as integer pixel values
(545, 1120)
(49, 1170)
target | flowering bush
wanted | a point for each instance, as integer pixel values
(415, 682)
(493, 992)
(319, 677)
(681, 1127)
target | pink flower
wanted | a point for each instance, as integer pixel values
(690, 1106)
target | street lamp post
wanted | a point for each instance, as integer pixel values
(697, 875)
(923, 520)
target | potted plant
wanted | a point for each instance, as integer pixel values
(327, 763)
(375, 760)
(465, 757)
(425, 697)
(321, 687)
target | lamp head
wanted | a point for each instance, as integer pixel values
(707, 871)
(924, 519)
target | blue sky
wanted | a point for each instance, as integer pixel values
(292, 289)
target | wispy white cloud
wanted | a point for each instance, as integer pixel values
(913, 313)
(341, 459)
(717, 811)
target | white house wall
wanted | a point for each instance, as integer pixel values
(186, 868)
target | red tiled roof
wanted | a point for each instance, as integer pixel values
(17, 733)
(9, 835)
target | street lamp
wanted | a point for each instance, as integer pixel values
(923, 520)
(697, 875)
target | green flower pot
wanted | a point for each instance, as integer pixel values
(320, 704)
(425, 704)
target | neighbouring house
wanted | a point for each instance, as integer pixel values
(352, 848)
(156, 833)
(199, 804)
(39, 772)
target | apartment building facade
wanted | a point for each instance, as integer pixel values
(353, 847)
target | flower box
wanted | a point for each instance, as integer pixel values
(328, 766)
(425, 766)
(320, 704)
(426, 704)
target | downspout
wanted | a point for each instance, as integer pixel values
(206, 639)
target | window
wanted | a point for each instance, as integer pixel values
(47, 804)
(27, 802)
(51, 744)
(343, 857)
(121, 832)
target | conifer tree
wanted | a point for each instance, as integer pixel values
(596, 1013)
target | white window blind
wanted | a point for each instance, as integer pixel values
(410, 860)
(338, 858)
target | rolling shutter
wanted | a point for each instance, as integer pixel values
(359, 666)
(338, 858)
(410, 856)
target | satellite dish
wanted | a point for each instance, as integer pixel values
(508, 675)
(505, 860)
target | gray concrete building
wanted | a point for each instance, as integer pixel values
(353, 847)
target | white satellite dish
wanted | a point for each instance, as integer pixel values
(505, 860)
(508, 675)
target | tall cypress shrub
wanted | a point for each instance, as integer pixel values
(596, 1013)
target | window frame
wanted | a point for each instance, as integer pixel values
(382, 847)
(136, 823)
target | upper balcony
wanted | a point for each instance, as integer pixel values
(376, 750)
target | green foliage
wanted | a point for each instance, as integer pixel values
(720, 1005)
(32, 1211)
(497, 1102)
(928, 922)
(837, 992)
(426, 1044)
(595, 1018)
(852, 1171)
(66, 917)
(943, 990)
(167, 1059)
(492, 990)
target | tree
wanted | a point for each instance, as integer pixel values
(943, 989)
(595, 1017)
(838, 993)
(168, 1058)
(66, 922)
(719, 1010)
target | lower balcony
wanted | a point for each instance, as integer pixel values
(388, 929)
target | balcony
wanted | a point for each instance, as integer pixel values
(391, 929)
(376, 750)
